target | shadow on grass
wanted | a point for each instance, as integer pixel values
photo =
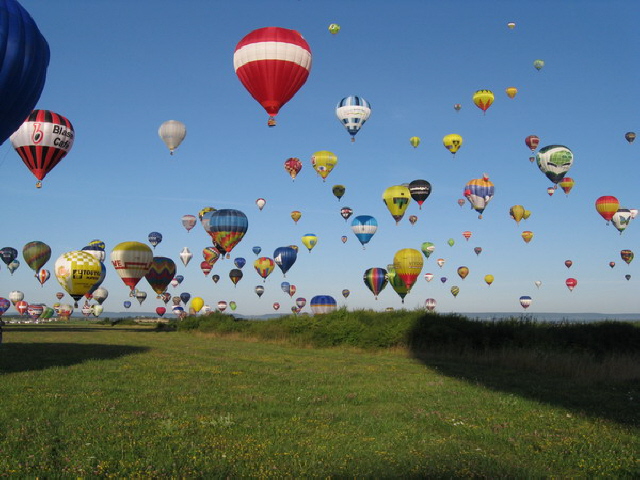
(589, 369)
(22, 357)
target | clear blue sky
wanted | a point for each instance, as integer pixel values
(120, 68)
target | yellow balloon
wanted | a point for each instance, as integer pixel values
(463, 272)
(452, 142)
(488, 279)
(527, 236)
(296, 215)
(77, 272)
(511, 91)
(415, 141)
(309, 240)
(527, 214)
(397, 200)
(132, 261)
(483, 99)
(511, 25)
(407, 264)
(517, 213)
(197, 303)
(323, 162)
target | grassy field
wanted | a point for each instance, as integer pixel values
(126, 400)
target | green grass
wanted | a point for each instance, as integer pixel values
(83, 400)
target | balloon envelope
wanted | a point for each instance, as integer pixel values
(172, 133)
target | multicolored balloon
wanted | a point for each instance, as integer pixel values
(408, 263)
(293, 166)
(36, 254)
(483, 99)
(375, 279)
(42, 141)
(160, 273)
(607, 206)
(323, 163)
(479, 193)
(310, 240)
(554, 161)
(226, 227)
(264, 266)
(77, 271)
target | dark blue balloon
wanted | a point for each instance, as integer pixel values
(127, 304)
(256, 250)
(185, 297)
(24, 58)
(155, 238)
(285, 257)
(239, 262)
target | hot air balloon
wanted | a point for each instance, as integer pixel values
(222, 306)
(430, 304)
(346, 212)
(184, 297)
(293, 166)
(323, 162)
(59, 295)
(321, 304)
(517, 213)
(463, 272)
(483, 99)
(186, 256)
(189, 221)
(612, 264)
(467, 235)
(511, 92)
(451, 242)
(25, 57)
(334, 28)
(210, 255)
(4, 305)
(160, 311)
(284, 257)
(527, 236)
(511, 25)
(296, 215)
(343, 238)
(455, 291)
(452, 142)
(461, 202)
(419, 191)
(346, 292)
(205, 267)
(256, 250)
(276, 306)
(215, 278)
(35, 310)
(96, 248)
(226, 228)
(538, 64)
(397, 200)
(259, 289)
(568, 263)
(353, 112)
(407, 263)
(301, 302)
(155, 238)
(621, 219)
(630, 136)
(42, 141)
(477, 250)
(566, 184)
(532, 141)
(13, 266)
(43, 275)
(571, 283)
(77, 271)
(172, 133)
(427, 248)
(272, 63)
(16, 296)
(525, 301)
(443, 279)
(36, 254)
(132, 261)
(479, 192)
(21, 307)
(264, 266)
(554, 161)
(239, 262)
(627, 256)
(140, 296)
(364, 227)
(261, 202)
(375, 279)
(338, 191)
(551, 191)
(428, 277)
(100, 294)
(309, 240)
(414, 141)
(440, 262)
(160, 273)
(457, 107)
(413, 219)
(197, 303)
(607, 206)
(488, 279)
